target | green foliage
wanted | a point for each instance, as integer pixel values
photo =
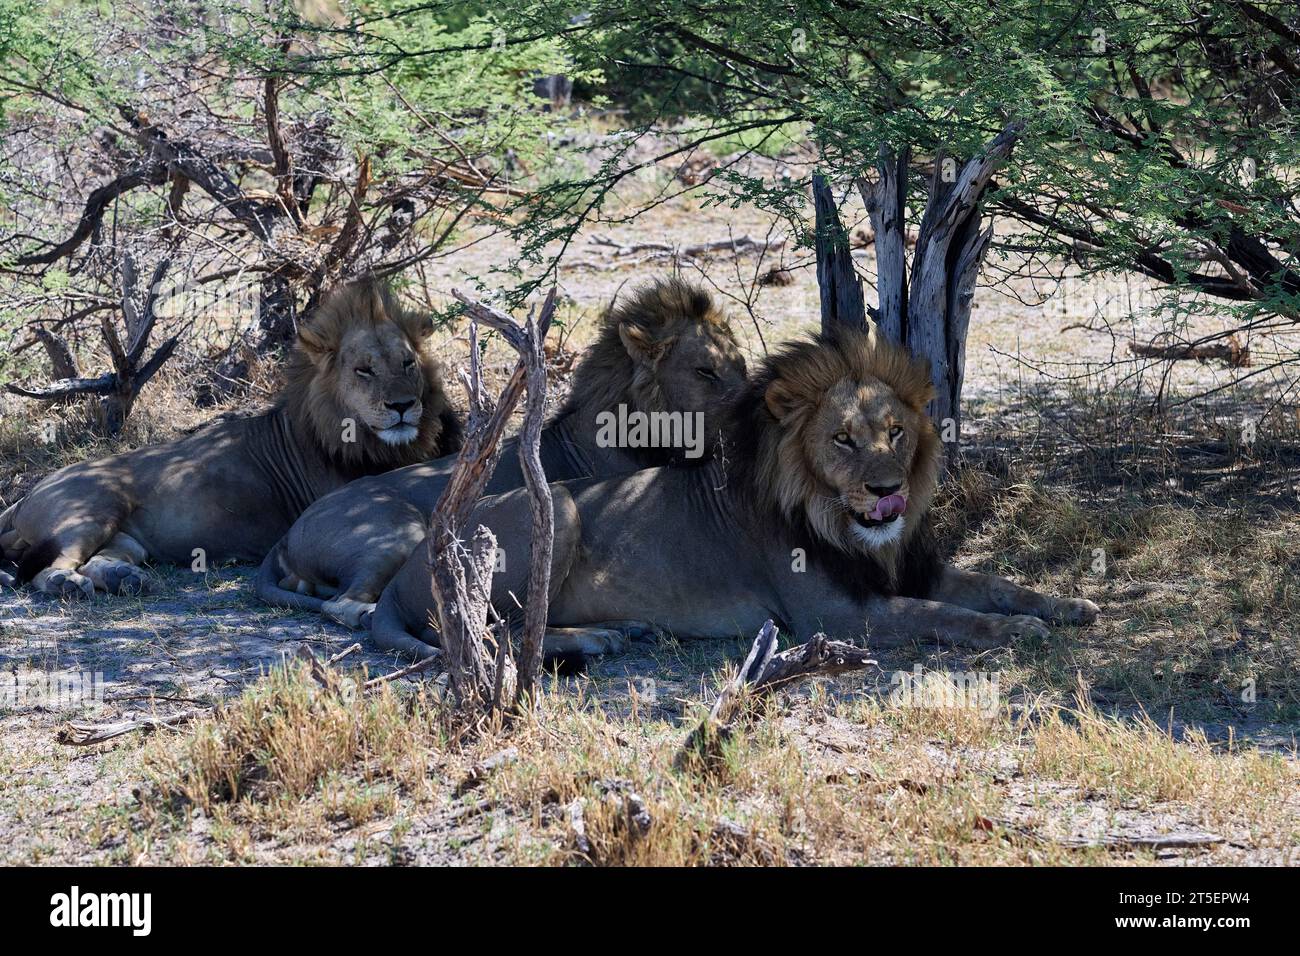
(396, 79)
(1155, 130)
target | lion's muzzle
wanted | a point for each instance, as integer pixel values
(400, 422)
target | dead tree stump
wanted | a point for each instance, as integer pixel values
(926, 308)
(837, 281)
(484, 679)
(932, 316)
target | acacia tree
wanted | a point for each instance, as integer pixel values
(1158, 136)
(264, 154)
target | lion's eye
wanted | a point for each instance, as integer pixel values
(895, 432)
(365, 372)
(409, 364)
(844, 440)
(708, 373)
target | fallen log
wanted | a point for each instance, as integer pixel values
(621, 255)
(80, 734)
(764, 671)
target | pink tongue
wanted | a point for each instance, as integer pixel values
(888, 506)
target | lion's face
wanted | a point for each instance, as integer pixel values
(701, 367)
(380, 379)
(849, 446)
(693, 369)
(365, 382)
(862, 442)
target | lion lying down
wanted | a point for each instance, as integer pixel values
(817, 518)
(667, 349)
(363, 395)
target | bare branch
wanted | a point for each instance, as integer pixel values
(765, 670)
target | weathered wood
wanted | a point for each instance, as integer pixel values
(418, 667)
(542, 539)
(62, 363)
(460, 576)
(886, 202)
(461, 582)
(764, 671)
(629, 255)
(81, 734)
(1232, 353)
(928, 308)
(480, 449)
(945, 266)
(837, 281)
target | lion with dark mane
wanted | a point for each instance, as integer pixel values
(816, 516)
(666, 350)
(363, 394)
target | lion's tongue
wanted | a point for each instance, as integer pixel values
(887, 507)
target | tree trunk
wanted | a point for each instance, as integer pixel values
(927, 309)
(461, 578)
(838, 282)
(276, 315)
(886, 203)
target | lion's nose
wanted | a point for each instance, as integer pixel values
(883, 491)
(399, 407)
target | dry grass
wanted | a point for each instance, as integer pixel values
(818, 778)
(1201, 602)
(283, 736)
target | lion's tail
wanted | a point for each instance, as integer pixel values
(269, 576)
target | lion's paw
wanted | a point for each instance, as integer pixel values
(1019, 627)
(605, 640)
(126, 579)
(115, 577)
(584, 642)
(7, 580)
(349, 613)
(1075, 611)
(61, 582)
(635, 630)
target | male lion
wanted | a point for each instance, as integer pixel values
(665, 350)
(816, 516)
(363, 395)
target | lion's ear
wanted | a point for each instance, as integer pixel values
(425, 327)
(313, 343)
(640, 344)
(782, 400)
(377, 310)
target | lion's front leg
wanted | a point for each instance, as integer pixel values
(988, 592)
(895, 621)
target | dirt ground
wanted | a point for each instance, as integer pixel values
(1178, 740)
